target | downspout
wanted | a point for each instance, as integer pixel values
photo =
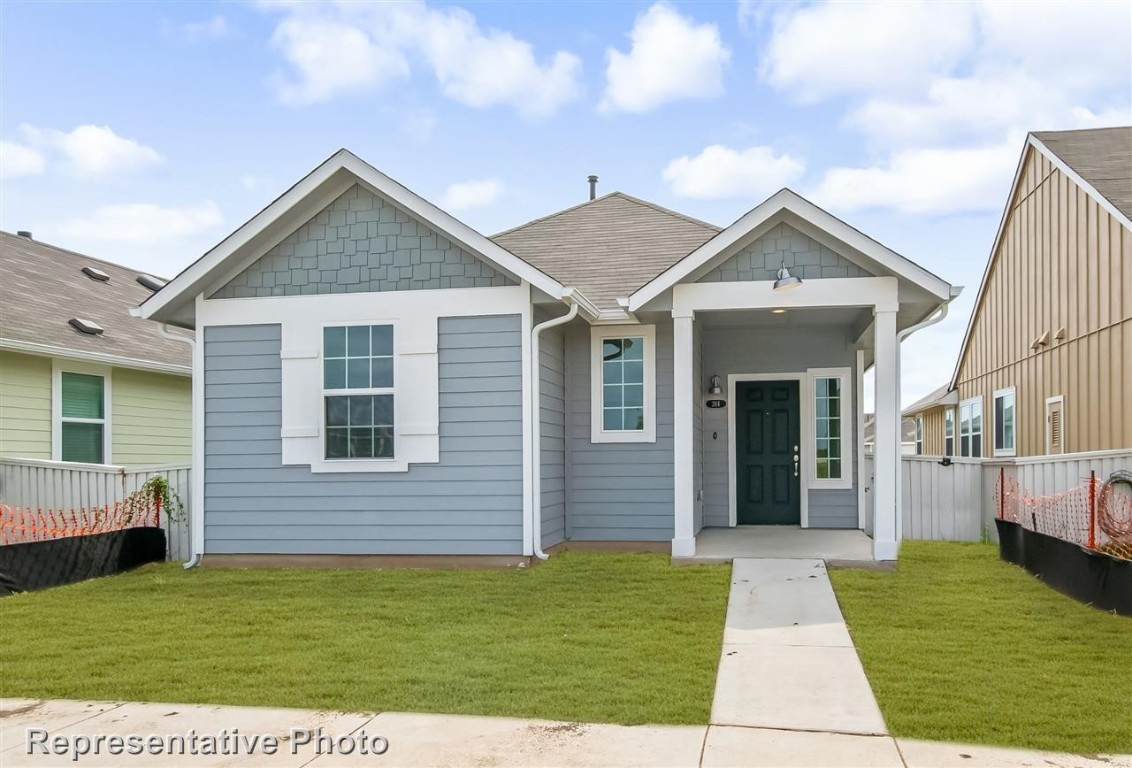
(536, 428)
(195, 519)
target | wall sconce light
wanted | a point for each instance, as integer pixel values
(785, 280)
(715, 394)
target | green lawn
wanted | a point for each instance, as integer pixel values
(586, 636)
(960, 646)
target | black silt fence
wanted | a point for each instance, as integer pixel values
(41, 564)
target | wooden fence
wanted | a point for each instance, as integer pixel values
(61, 485)
(957, 502)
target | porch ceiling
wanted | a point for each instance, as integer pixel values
(839, 317)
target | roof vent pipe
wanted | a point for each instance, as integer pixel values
(24, 233)
(593, 187)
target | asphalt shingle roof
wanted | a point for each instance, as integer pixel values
(42, 287)
(1101, 156)
(608, 247)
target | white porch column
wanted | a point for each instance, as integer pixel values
(886, 505)
(683, 392)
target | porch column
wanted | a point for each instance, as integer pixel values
(683, 392)
(886, 505)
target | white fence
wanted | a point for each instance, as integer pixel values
(957, 502)
(63, 485)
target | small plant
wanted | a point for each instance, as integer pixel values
(163, 495)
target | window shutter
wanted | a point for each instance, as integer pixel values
(83, 396)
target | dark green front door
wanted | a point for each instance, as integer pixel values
(767, 432)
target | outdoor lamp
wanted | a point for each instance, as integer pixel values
(786, 280)
(715, 394)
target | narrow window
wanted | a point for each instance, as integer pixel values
(82, 418)
(971, 428)
(624, 385)
(1004, 437)
(919, 435)
(949, 432)
(358, 395)
(828, 432)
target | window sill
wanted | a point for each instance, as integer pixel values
(623, 437)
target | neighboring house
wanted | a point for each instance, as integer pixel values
(80, 379)
(1046, 362)
(908, 435)
(933, 422)
(372, 376)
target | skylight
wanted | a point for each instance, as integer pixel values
(96, 274)
(85, 326)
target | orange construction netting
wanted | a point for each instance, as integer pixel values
(1097, 514)
(23, 524)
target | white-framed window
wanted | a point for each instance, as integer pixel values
(623, 384)
(949, 432)
(971, 427)
(919, 435)
(1005, 423)
(831, 393)
(358, 392)
(80, 404)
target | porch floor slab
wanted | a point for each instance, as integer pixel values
(716, 545)
(787, 661)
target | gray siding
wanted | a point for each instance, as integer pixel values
(361, 243)
(737, 350)
(761, 260)
(617, 491)
(469, 503)
(552, 420)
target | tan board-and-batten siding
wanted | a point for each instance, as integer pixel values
(1063, 262)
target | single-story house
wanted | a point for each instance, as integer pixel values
(81, 380)
(909, 437)
(374, 377)
(1046, 362)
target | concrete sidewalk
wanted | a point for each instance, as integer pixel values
(444, 740)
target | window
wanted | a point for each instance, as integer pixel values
(832, 436)
(971, 427)
(357, 383)
(82, 425)
(624, 384)
(919, 435)
(1004, 422)
(949, 432)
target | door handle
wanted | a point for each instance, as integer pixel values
(795, 465)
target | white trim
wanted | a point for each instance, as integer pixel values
(1060, 399)
(255, 233)
(598, 433)
(879, 292)
(847, 431)
(47, 350)
(982, 428)
(684, 394)
(886, 467)
(806, 446)
(1013, 450)
(786, 200)
(530, 413)
(954, 414)
(859, 445)
(58, 368)
(919, 437)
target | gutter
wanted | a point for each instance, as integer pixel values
(196, 500)
(572, 297)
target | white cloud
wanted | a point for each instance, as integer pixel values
(719, 172)
(92, 150)
(339, 48)
(216, 28)
(17, 160)
(471, 194)
(926, 181)
(671, 58)
(144, 223)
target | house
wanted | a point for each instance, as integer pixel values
(908, 435)
(374, 377)
(1046, 362)
(80, 379)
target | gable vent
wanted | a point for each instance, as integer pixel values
(88, 327)
(151, 282)
(96, 274)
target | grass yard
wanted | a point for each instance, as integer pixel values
(960, 646)
(586, 636)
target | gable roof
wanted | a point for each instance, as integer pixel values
(907, 429)
(607, 247)
(43, 287)
(1090, 149)
(945, 395)
(173, 303)
(1102, 157)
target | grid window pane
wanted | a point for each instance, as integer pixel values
(334, 374)
(359, 426)
(611, 419)
(334, 342)
(357, 341)
(612, 372)
(357, 373)
(382, 345)
(827, 424)
(634, 349)
(82, 442)
(623, 377)
(381, 370)
(358, 357)
(83, 396)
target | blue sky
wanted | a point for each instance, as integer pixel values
(144, 133)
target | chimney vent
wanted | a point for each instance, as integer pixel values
(593, 187)
(24, 233)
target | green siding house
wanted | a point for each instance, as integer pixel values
(80, 379)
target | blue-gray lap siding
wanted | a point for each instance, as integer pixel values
(468, 503)
(552, 435)
(617, 491)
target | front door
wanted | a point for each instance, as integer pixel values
(767, 439)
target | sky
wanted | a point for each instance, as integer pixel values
(144, 133)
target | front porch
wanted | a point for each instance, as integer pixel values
(720, 545)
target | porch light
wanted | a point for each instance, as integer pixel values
(786, 280)
(715, 394)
